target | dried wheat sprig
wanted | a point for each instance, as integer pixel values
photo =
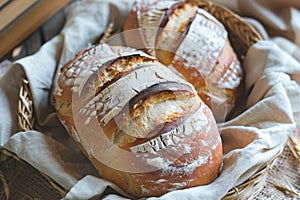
(107, 33)
(286, 188)
(294, 147)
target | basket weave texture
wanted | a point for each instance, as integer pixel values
(19, 180)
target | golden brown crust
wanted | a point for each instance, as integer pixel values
(158, 93)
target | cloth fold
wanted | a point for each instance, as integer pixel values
(250, 140)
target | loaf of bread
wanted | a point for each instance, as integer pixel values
(142, 126)
(195, 44)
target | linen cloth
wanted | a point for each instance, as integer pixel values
(250, 139)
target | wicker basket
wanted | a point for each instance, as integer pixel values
(19, 180)
(242, 36)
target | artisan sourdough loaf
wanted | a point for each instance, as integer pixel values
(194, 43)
(142, 126)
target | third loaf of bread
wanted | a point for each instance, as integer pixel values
(195, 44)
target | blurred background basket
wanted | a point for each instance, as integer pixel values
(19, 180)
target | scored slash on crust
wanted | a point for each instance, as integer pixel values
(161, 142)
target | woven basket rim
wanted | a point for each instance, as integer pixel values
(234, 193)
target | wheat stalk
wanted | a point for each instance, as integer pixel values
(286, 187)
